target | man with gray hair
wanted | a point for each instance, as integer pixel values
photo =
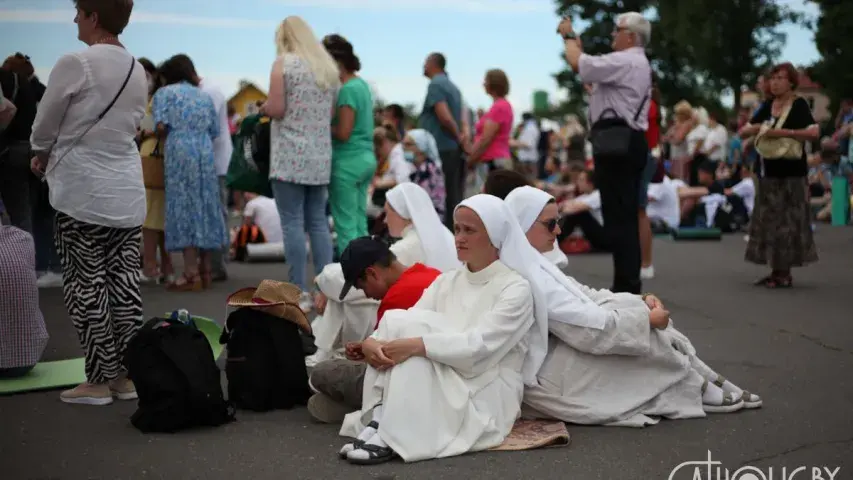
(619, 92)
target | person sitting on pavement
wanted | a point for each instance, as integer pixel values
(500, 183)
(261, 224)
(370, 266)
(629, 365)
(23, 334)
(453, 368)
(411, 217)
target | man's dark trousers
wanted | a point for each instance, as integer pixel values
(454, 169)
(618, 180)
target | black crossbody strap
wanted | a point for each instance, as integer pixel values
(640, 110)
(100, 117)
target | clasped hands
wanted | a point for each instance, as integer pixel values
(658, 315)
(384, 355)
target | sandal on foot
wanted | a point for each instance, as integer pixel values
(780, 282)
(186, 283)
(356, 444)
(750, 400)
(729, 404)
(369, 454)
(762, 282)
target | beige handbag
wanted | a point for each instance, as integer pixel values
(780, 147)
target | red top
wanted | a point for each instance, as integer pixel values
(653, 132)
(408, 289)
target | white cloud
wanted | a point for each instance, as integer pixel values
(67, 15)
(480, 6)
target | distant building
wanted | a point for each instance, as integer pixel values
(245, 101)
(808, 89)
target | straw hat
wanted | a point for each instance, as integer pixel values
(275, 298)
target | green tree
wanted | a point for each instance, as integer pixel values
(835, 45)
(729, 41)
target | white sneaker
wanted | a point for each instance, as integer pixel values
(647, 273)
(50, 280)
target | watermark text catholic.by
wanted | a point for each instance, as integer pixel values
(711, 469)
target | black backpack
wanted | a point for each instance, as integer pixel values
(266, 361)
(176, 377)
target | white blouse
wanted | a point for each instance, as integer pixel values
(99, 177)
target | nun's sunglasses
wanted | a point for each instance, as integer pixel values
(551, 224)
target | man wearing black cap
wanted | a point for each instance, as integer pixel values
(368, 265)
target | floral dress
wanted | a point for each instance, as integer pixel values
(429, 176)
(194, 216)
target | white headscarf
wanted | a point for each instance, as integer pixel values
(426, 144)
(526, 204)
(412, 202)
(517, 254)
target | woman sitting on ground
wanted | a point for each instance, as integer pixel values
(447, 376)
(628, 364)
(421, 151)
(411, 217)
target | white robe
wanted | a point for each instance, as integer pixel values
(623, 375)
(353, 319)
(466, 394)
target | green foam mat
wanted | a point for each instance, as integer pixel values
(68, 373)
(697, 233)
(46, 376)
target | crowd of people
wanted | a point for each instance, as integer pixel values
(462, 299)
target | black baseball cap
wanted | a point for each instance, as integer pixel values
(359, 255)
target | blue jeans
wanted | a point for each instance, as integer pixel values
(303, 208)
(47, 260)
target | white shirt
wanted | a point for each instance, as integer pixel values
(529, 136)
(694, 137)
(222, 146)
(719, 137)
(265, 214)
(99, 179)
(593, 201)
(663, 203)
(398, 168)
(745, 189)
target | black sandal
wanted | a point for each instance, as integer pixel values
(356, 444)
(375, 455)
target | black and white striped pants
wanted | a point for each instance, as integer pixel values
(100, 272)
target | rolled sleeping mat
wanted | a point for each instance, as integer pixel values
(840, 205)
(265, 252)
(697, 233)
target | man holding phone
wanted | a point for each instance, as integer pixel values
(618, 113)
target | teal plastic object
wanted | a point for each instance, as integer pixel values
(840, 200)
(697, 233)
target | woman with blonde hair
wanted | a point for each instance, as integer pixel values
(676, 136)
(301, 144)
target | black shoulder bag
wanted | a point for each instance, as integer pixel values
(611, 135)
(97, 120)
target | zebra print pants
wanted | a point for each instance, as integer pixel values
(100, 270)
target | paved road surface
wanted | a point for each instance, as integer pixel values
(793, 347)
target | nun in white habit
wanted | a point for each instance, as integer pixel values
(457, 362)
(613, 358)
(411, 217)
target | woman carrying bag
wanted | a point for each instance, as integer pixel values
(153, 230)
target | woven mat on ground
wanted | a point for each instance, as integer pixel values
(533, 434)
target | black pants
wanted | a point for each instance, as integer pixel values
(454, 169)
(16, 178)
(593, 231)
(618, 180)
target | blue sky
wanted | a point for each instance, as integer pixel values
(230, 40)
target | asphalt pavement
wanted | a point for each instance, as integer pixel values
(793, 347)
